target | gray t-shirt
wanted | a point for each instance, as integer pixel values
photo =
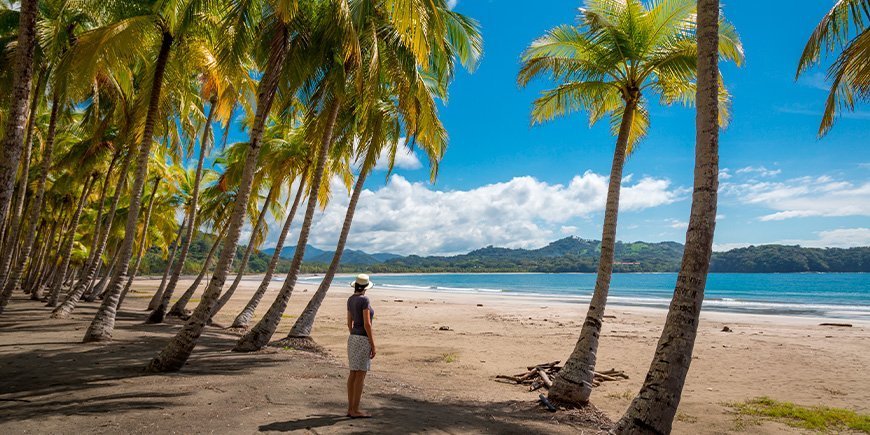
(355, 305)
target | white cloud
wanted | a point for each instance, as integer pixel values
(837, 238)
(451, 4)
(676, 223)
(406, 158)
(405, 217)
(804, 197)
(725, 174)
(760, 170)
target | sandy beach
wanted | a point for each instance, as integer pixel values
(423, 379)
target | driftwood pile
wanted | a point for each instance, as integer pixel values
(542, 375)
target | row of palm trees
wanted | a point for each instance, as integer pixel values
(116, 112)
(110, 136)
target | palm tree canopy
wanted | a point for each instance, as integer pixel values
(617, 51)
(844, 29)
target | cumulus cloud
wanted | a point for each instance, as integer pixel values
(452, 3)
(413, 218)
(406, 158)
(804, 197)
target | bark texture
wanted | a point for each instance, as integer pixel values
(104, 322)
(178, 350)
(573, 384)
(244, 318)
(655, 406)
(262, 332)
(22, 78)
(158, 295)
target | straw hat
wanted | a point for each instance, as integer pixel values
(362, 279)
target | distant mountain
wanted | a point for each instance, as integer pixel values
(287, 252)
(348, 257)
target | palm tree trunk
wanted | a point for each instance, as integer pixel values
(159, 312)
(142, 240)
(67, 249)
(36, 260)
(104, 322)
(12, 235)
(158, 295)
(654, 407)
(39, 274)
(573, 384)
(303, 325)
(35, 211)
(244, 318)
(261, 218)
(176, 352)
(100, 287)
(90, 273)
(98, 223)
(179, 308)
(17, 115)
(262, 332)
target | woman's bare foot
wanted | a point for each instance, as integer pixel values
(359, 414)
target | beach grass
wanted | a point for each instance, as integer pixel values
(449, 357)
(817, 418)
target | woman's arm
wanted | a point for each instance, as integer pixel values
(367, 323)
(349, 321)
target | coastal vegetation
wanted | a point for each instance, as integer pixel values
(815, 418)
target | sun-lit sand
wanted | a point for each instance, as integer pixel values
(422, 378)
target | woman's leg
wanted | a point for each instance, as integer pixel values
(351, 381)
(357, 391)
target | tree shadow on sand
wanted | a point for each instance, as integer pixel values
(396, 413)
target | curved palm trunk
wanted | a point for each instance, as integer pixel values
(36, 271)
(14, 278)
(142, 240)
(244, 318)
(158, 295)
(176, 352)
(90, 273)
(104, 322)
(17, 115)
(262, 332)
(16, 221)
(159, 312)
(100, 287)
(303, 325)
(98, 223)
(655, 406)
(261, 218)
(179, 308)
(573, 384)
(67, 249)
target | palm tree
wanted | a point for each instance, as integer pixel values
(654, 408)
(843, 28)
(167, 23)
(16, 121)
(618, 51)
(449, 35)
(279, 38)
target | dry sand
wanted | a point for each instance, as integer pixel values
(423, 379)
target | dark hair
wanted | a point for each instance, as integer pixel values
(357, 287)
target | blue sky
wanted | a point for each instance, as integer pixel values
(505, 183)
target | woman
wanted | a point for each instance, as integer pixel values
(360, 344)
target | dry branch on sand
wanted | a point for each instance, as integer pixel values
(541, 375)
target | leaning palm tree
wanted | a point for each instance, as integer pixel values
(619, 52)
(844, 28)
(654, 408)
(16, 118)
(286, 26)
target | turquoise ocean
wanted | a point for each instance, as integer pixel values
(833, 295)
